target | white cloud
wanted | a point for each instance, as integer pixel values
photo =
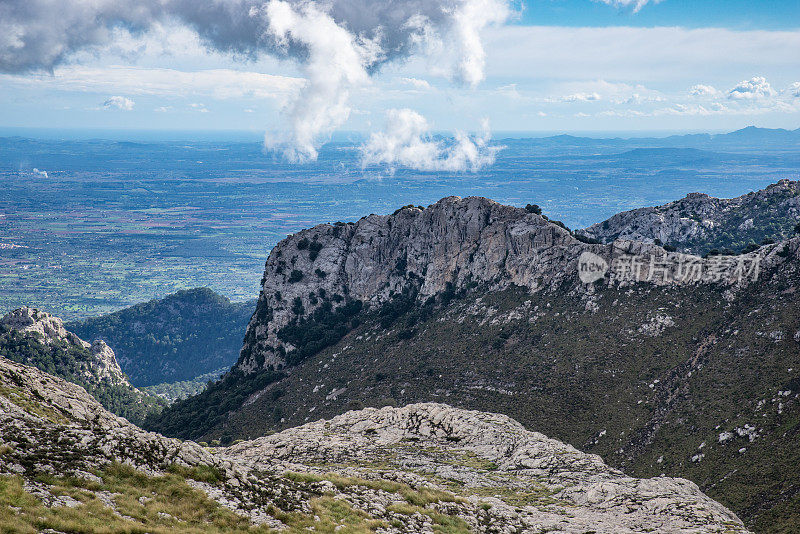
(198, 107)
(119, 102)
(417, 83)
(637, 55)
(581, 97)
(163, 109)
(469, 19)
(337, 62)
(794, 90)
(755, 88)
(703, 90)
(217, 83)
(338, 44)
(635, 4)
(407, 142)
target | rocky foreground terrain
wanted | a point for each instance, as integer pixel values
(68, 465)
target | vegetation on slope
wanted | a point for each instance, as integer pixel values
(180, 337)
(196, 416)
(174, 391)
(155, 504)
(74, 363)
(650, 381)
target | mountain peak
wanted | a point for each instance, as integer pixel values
(34, 321)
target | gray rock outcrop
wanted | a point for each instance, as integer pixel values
(699, 219)
(100, 366)
(452, 245)
(399, 469)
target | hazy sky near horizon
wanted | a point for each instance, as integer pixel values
(547, 65)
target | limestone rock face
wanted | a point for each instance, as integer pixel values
(30, 320)
(493, 460)
(409, 469)
(101, 365)
(452, 245)
(699, 218)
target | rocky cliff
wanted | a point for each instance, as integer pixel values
(699, 223)
(66, 464)
(100, 364)
(36, 338)
(416, 256)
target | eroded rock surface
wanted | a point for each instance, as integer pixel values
(514, 479)
(390, 470)
(417, 254)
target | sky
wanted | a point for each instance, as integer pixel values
(299, 74)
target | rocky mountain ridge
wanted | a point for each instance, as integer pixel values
(102, 364)
(485, 307)
(699, 223)
(416, 256)
(67, 464)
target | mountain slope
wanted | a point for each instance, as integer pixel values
(699, 223)
(483, 306)
(177, 338)
(36, 338)
(67, 464)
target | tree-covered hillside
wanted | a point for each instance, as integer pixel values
(180, 337)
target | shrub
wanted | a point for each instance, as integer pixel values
(533, 208)
(296, 276)
(302, 244)
(314, 249)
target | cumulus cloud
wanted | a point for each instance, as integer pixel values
(703, 90)
(407, 142)
(119, 102)
(636, 5)
(794, 90)
(755, 88)
(338, 43)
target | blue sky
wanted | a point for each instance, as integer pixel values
(731, 14)
(562, 66)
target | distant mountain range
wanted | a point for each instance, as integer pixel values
(746, 138)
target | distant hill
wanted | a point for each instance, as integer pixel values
(33, 337)
(177, 338)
